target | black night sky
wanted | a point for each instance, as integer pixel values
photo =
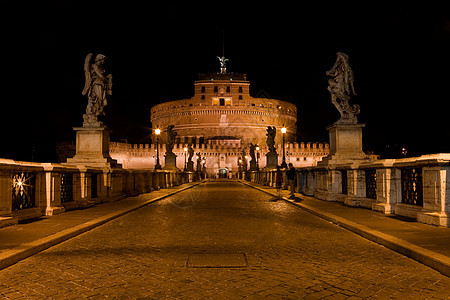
(399, 53)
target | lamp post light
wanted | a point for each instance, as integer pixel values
(157, 132)
(257, 156)
(185, 151)
(283, 164)
(240, 168)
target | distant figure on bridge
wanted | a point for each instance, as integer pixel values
(291, 174)
(278, 181)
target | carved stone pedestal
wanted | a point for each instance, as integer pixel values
(170, 161)
(345, 149)
(345, 143)
(252, 165)
(92, 148)
(190, 166)
(272, 160)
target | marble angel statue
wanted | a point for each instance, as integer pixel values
(341, 89)
(96, 87)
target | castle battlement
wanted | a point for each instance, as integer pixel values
(217, 154)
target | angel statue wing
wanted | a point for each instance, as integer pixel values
(87, 73)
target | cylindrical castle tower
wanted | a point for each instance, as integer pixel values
(222, 108)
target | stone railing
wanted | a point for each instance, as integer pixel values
(416, 187)
(30, 190)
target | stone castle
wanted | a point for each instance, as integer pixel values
(220, 122)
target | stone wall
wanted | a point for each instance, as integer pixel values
(220, 155)
(415, 187)
(29, 190)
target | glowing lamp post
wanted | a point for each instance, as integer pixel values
(283, 164)
(257, 156)
(185, 151)
(157, 132)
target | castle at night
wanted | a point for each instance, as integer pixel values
(220, 123)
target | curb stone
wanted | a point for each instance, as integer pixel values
(429, 258)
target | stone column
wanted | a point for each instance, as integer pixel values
(436, 196)
(81, 186)
(52, 191)
(6, 218)
(310, 184)
(388, 190)
(328, 185)
(356, 187)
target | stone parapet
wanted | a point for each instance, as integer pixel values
(416, 187)
(30, 190)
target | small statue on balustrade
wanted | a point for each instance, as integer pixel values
(252, 152)
(271, 133)
(190, 153)
(171, 135)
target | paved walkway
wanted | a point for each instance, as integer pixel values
(23, 240)
(220, 240)
(425, 243)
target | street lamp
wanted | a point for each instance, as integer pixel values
(185, 151)
(257, 156)
(283, 164)
(157, 132)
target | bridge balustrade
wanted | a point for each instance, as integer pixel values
(29, 190)
(413, 187)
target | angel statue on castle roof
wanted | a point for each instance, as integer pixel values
(223, 64)
(96, 87)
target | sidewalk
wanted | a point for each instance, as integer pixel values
(427, 244)
(23, 240)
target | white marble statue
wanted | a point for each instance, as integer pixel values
(341, 89)
(223, 64)
(96, 87)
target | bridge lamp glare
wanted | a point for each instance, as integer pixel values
(283, 130)
(157, 132)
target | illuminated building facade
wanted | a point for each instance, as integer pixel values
(220, 122)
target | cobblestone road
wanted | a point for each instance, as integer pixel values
(291, 254)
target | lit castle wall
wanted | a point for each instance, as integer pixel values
(219, 122)
(221, 155)
(222, 107)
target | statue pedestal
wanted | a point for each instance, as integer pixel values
(345, 150)
(170, 161)
(190, 166)
(272, 160)
(252, 165)
(92, 148)
(345, 144)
